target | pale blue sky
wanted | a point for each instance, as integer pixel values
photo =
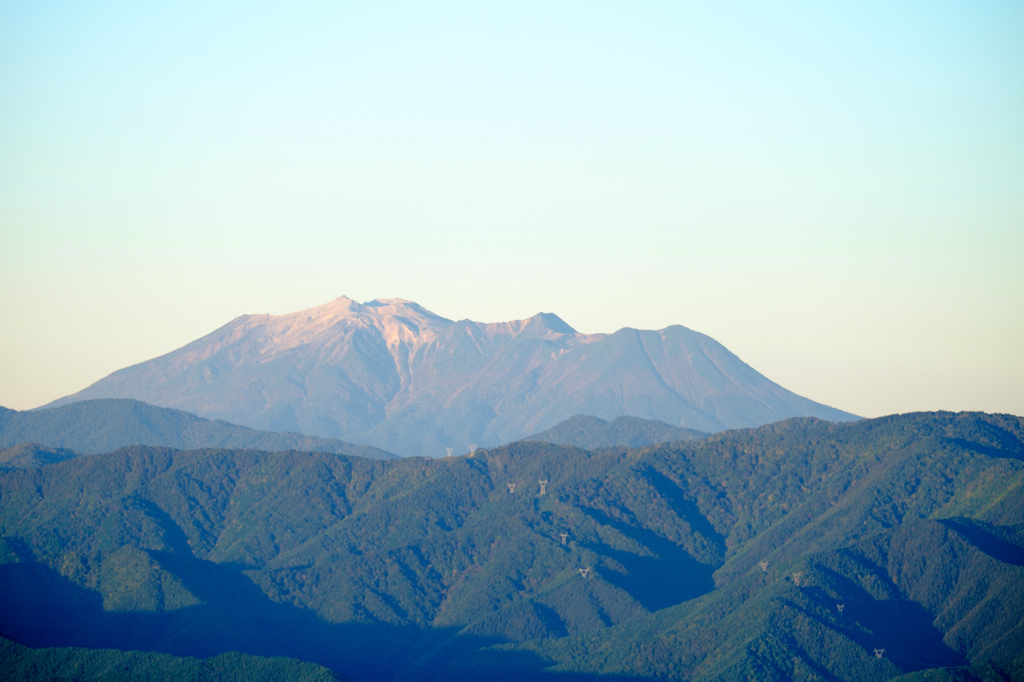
(835, 193)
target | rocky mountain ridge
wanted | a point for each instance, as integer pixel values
(391, 374)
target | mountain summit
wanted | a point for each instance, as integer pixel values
(392, 374)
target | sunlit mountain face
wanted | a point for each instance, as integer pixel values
(391, 374)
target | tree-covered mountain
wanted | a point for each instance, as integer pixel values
(391, 374)
(455, 568)
(32, 456)
(588, 432)
(94, 426)
(111, 665)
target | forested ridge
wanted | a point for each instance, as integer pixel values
(585, 431)
(70, 663)
(721, 558)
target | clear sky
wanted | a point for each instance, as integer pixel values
(835, 191)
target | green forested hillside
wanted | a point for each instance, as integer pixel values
(94, 426)
(110, 665)
(32, 456)
(588, 432)
(420, 569)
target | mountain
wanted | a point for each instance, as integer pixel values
(110, 665)
(391, 374)
(588, 432)
(32, 456)
(725, 558)
(93, 426)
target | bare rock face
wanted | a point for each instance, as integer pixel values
(394, 375)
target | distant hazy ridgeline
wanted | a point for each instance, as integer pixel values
(589, 432)
(95, 426)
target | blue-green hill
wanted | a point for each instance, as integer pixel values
(32, 456)
(419, 569)
(111, 665)
(94, 426)
(585, 431)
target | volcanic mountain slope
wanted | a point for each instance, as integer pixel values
(93, 426)
(391, 374)
(455, 568)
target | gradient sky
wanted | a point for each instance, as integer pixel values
(833, 191)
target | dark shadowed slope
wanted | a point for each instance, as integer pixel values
(21, 663)
(419, 569)
(584, 431)
(93, 426)
(391, 374)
